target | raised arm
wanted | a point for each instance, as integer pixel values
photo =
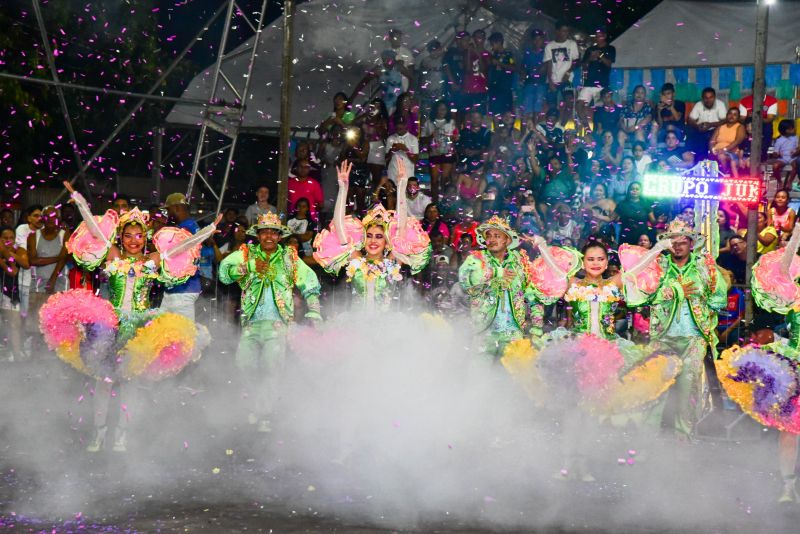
(86, 213)
(647, 259)
(791, 250)
(195, 240)
(343, 177)
(402, 203)
(541, 244)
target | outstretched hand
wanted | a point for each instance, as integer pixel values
(402, 174)
(343, 173)
(68, 186)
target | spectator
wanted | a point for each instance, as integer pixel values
(121, 204)
(600, 212)
(769, 110)
(476, 68)
(505, 141)
(335, 124)
(532, 73)
(374, 123)
(597, 61)
(261, 206)
(406, 112)
(441, 251)
(550, 134)
(470, 188)
(735, 260)
(403, 56)
(7, 218)
(454, 60)
(560, 57)
(786, 152)
(676, 157)
(501, 77)
(726, 231)
(641, 158)
(401, 145)
(32, 217)
(468, 226)
(303, 152)
(431, 75)
(69, 217)
(730, 318)
(303, 186)
(564, 231)
(432, 222)
(356, 151)
(474, 141)
(670, 113)
(704, 118)
(226, 228)
(210, 256)
(607, 116)
(440, 134)
(47, 255)
(726, 140)
(416, 200)
(767, 235)
(634, 215)
(611, 152)
(779, 215)
(645, 241)
(635, 119)
(528, 220)
(620, 183)
(389, 78)
(181, 299)
(463, 246)
(240, 228)
(303, 226)
(12, 259)
(559, 186)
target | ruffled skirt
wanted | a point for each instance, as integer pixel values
(86, 332)
(604, 377)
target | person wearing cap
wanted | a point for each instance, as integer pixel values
(181, 298)
(683, 319)
(268, 273)
(497, 282)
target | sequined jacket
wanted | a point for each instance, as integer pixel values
(711, 296)
(481, 277)
(286, 271)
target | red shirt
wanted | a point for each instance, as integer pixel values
(770, 106)
(308, 189)
(461, 228)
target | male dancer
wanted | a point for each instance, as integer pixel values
(267, 273)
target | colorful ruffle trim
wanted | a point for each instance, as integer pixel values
(764, 382)
(179, 268)
(772, 290)
(549, 284)
(332, 255)
(85, 332)
(648, 280)
(413, 247)
(586, 370)
(88, 251)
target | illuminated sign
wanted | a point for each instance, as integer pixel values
(664, 185)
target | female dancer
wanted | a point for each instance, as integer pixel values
(764, 380)
(373, 249)
(588, 367)
(122, 339)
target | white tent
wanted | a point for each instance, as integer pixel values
(707, 34)
(337, 41)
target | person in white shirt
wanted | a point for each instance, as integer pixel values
(416, 200)
(33, 222)
(560, 57)
(400, 145)
(706, 115)
(641, 158)
(404, 57)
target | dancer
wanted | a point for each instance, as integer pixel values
(764, 379)
(121, 339)
(268, 273)
(588, 369)
(683, 319)
(498, 282)
(389, 239)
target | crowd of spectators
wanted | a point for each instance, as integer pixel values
(535, 135)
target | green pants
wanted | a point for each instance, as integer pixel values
(261, 357)
(693, 399)
(494, 342)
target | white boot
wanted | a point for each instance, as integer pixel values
(120, 440)
(98, 439)
(789, 491)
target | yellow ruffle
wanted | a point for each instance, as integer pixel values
(71, 354)
(643, 384)
(519, 360)
(146, 346)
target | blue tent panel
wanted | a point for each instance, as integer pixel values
(681, 75)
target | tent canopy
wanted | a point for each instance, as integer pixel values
(707, 34)
(337, 42)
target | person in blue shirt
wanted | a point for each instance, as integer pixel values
(181, 298)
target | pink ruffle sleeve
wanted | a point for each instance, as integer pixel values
(648, 279)
(329, 253)
(89, 251)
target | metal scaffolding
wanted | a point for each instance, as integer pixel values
(224, 118)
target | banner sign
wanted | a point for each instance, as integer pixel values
(702, 185)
